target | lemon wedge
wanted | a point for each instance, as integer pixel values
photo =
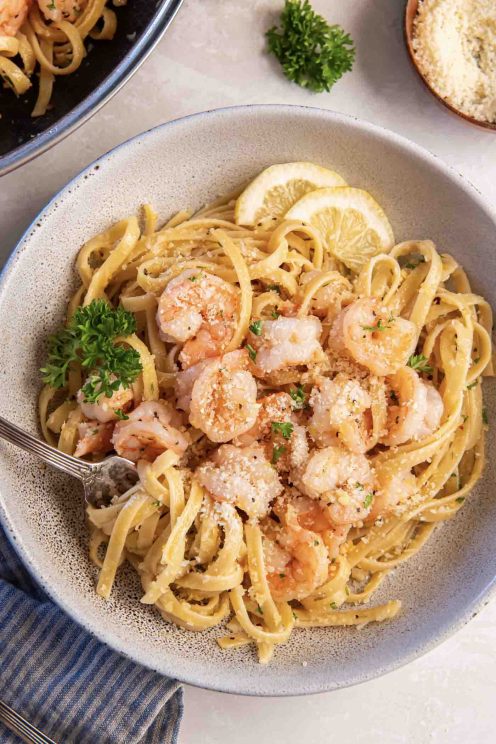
(276, 189)
(352, 224)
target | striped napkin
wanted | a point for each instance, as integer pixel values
(65, 682)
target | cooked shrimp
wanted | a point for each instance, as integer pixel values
(242, 476)
(393, 488)
(224, 397)
(148, 431)
(273, 407)
(284, 452)
(200, 311)
(105, 408)
(287, 342)
(184, 384)
(342, 479)
(296, 559)
(94, 437)
(415, 408)
(315, 515)
(62, 10)
(373, 337)
(341, 413)
(12, 15)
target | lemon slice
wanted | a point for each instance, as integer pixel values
(352, 225)
(276, 189)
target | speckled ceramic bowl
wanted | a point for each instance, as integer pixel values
(185, 163)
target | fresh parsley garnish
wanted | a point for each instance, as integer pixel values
(283, 427)
(251, 352)
(274, 288)
(368, 500)
(277, 452)
(420, 363)
(275, 314)
(460, 499)
(333, 605)
(120, 414)
(313, 53)
(485, 419)
(473, 384)
(256, 327)
(89, 339)
(299, 397)
(157, 503)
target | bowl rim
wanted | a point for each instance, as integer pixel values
(464, 613)
(98, 97)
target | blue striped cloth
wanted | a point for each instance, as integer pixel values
(68, 684)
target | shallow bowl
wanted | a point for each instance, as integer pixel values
(184, 163)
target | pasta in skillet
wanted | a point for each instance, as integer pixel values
(49, 36)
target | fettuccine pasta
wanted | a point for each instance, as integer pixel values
(48, 37)
(299, 429)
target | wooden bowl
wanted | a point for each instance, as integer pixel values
(410, 13)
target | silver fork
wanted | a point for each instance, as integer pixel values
(101, 480)
(18, 725)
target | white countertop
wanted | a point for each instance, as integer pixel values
(213, 56)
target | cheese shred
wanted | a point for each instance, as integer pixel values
(455, 48)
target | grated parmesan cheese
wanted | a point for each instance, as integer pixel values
(455, 47)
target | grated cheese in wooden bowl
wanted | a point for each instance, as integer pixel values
(454, 44)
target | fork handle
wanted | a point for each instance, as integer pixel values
(20, 726)
(51, 455)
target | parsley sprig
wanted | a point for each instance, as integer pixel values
(420, 363)
(89, 339)
(312, 53)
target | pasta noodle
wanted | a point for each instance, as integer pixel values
(49, 35)
(245, 533)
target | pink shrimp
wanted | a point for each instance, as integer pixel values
(200, 311)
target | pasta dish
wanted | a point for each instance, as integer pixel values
(301, 395)
(49, 36)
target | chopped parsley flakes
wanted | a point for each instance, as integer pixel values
(251, 352)
(420, 363)
(380, 325)
(277, 452)
(299, 397)
(256, 327)
(282, 427)
(368, 500)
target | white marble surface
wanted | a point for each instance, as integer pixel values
(214, 56)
